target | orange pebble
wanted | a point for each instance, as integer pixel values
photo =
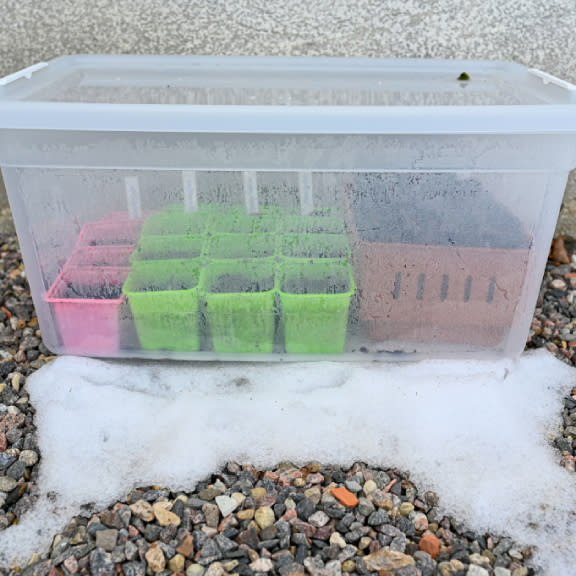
(344, 496)
(429, 543)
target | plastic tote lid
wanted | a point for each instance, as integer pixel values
(285, 95)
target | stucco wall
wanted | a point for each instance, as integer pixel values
(537, 33)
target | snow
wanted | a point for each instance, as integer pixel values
(477, 433)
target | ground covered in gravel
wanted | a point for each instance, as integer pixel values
(296, 519)
(317, 520)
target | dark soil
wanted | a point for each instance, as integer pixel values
(432, 209)
(315, 252)
(111, 242)
(315, 286)
(92, 292)
(314, 228)
(169, 285)
(227, 283)
(245, 251)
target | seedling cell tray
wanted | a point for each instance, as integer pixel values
(240, 305)
(163, 297)
(315, 301)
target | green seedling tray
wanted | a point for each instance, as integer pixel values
(235, 246)
(169, 248)
(315, 322)
(163, 297)
(240, 321)
(315, 246)
(327, 223)
(237, 221)
(173, 223)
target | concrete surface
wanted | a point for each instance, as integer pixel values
(538, 33)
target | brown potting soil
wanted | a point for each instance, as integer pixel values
(315, 252)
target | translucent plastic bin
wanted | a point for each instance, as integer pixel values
(438, 197)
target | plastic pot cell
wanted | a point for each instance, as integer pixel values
(87, 305)
(101, 256)
(163, 297)
(110, 233)
(315, 246)
(169, 248)
(234, 246)
(173, 223)
(315, 302)
(237, 221)
(322, 222)
(240, 297)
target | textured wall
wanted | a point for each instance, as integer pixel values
(538, 33)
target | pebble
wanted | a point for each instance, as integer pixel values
(7, 484)
(264, 517)
(475, 570)
(177, 563)
(388, 560)
(106, 539)
(195, 570)
(71, 565)
(406, 508)
(319, 519)
(29, 457)
(155, 559)
(101, 564)
(420, 521)
(430, 544)
(143, 510)
(163, 514)
(211, 514)
(262, 565)
(353, 486)
(215, 569)
(226, 504)
(344, 496)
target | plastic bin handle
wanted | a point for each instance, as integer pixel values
(549, 79)
(26, 73)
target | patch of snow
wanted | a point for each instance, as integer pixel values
(474, 432)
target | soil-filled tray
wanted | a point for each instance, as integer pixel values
(315, 303)
(438, 259)
(315, 246)
(101, 256)
(234, 246)
(87, 305)
(169, 247)
(174, 223)
(240, 304)
(111, 232)
(319, 222)
(163, 297)
(235, 220)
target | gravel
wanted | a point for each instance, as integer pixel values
(244, 521)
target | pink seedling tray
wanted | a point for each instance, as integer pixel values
(88, 323)
(114, 232)
(101, 256)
